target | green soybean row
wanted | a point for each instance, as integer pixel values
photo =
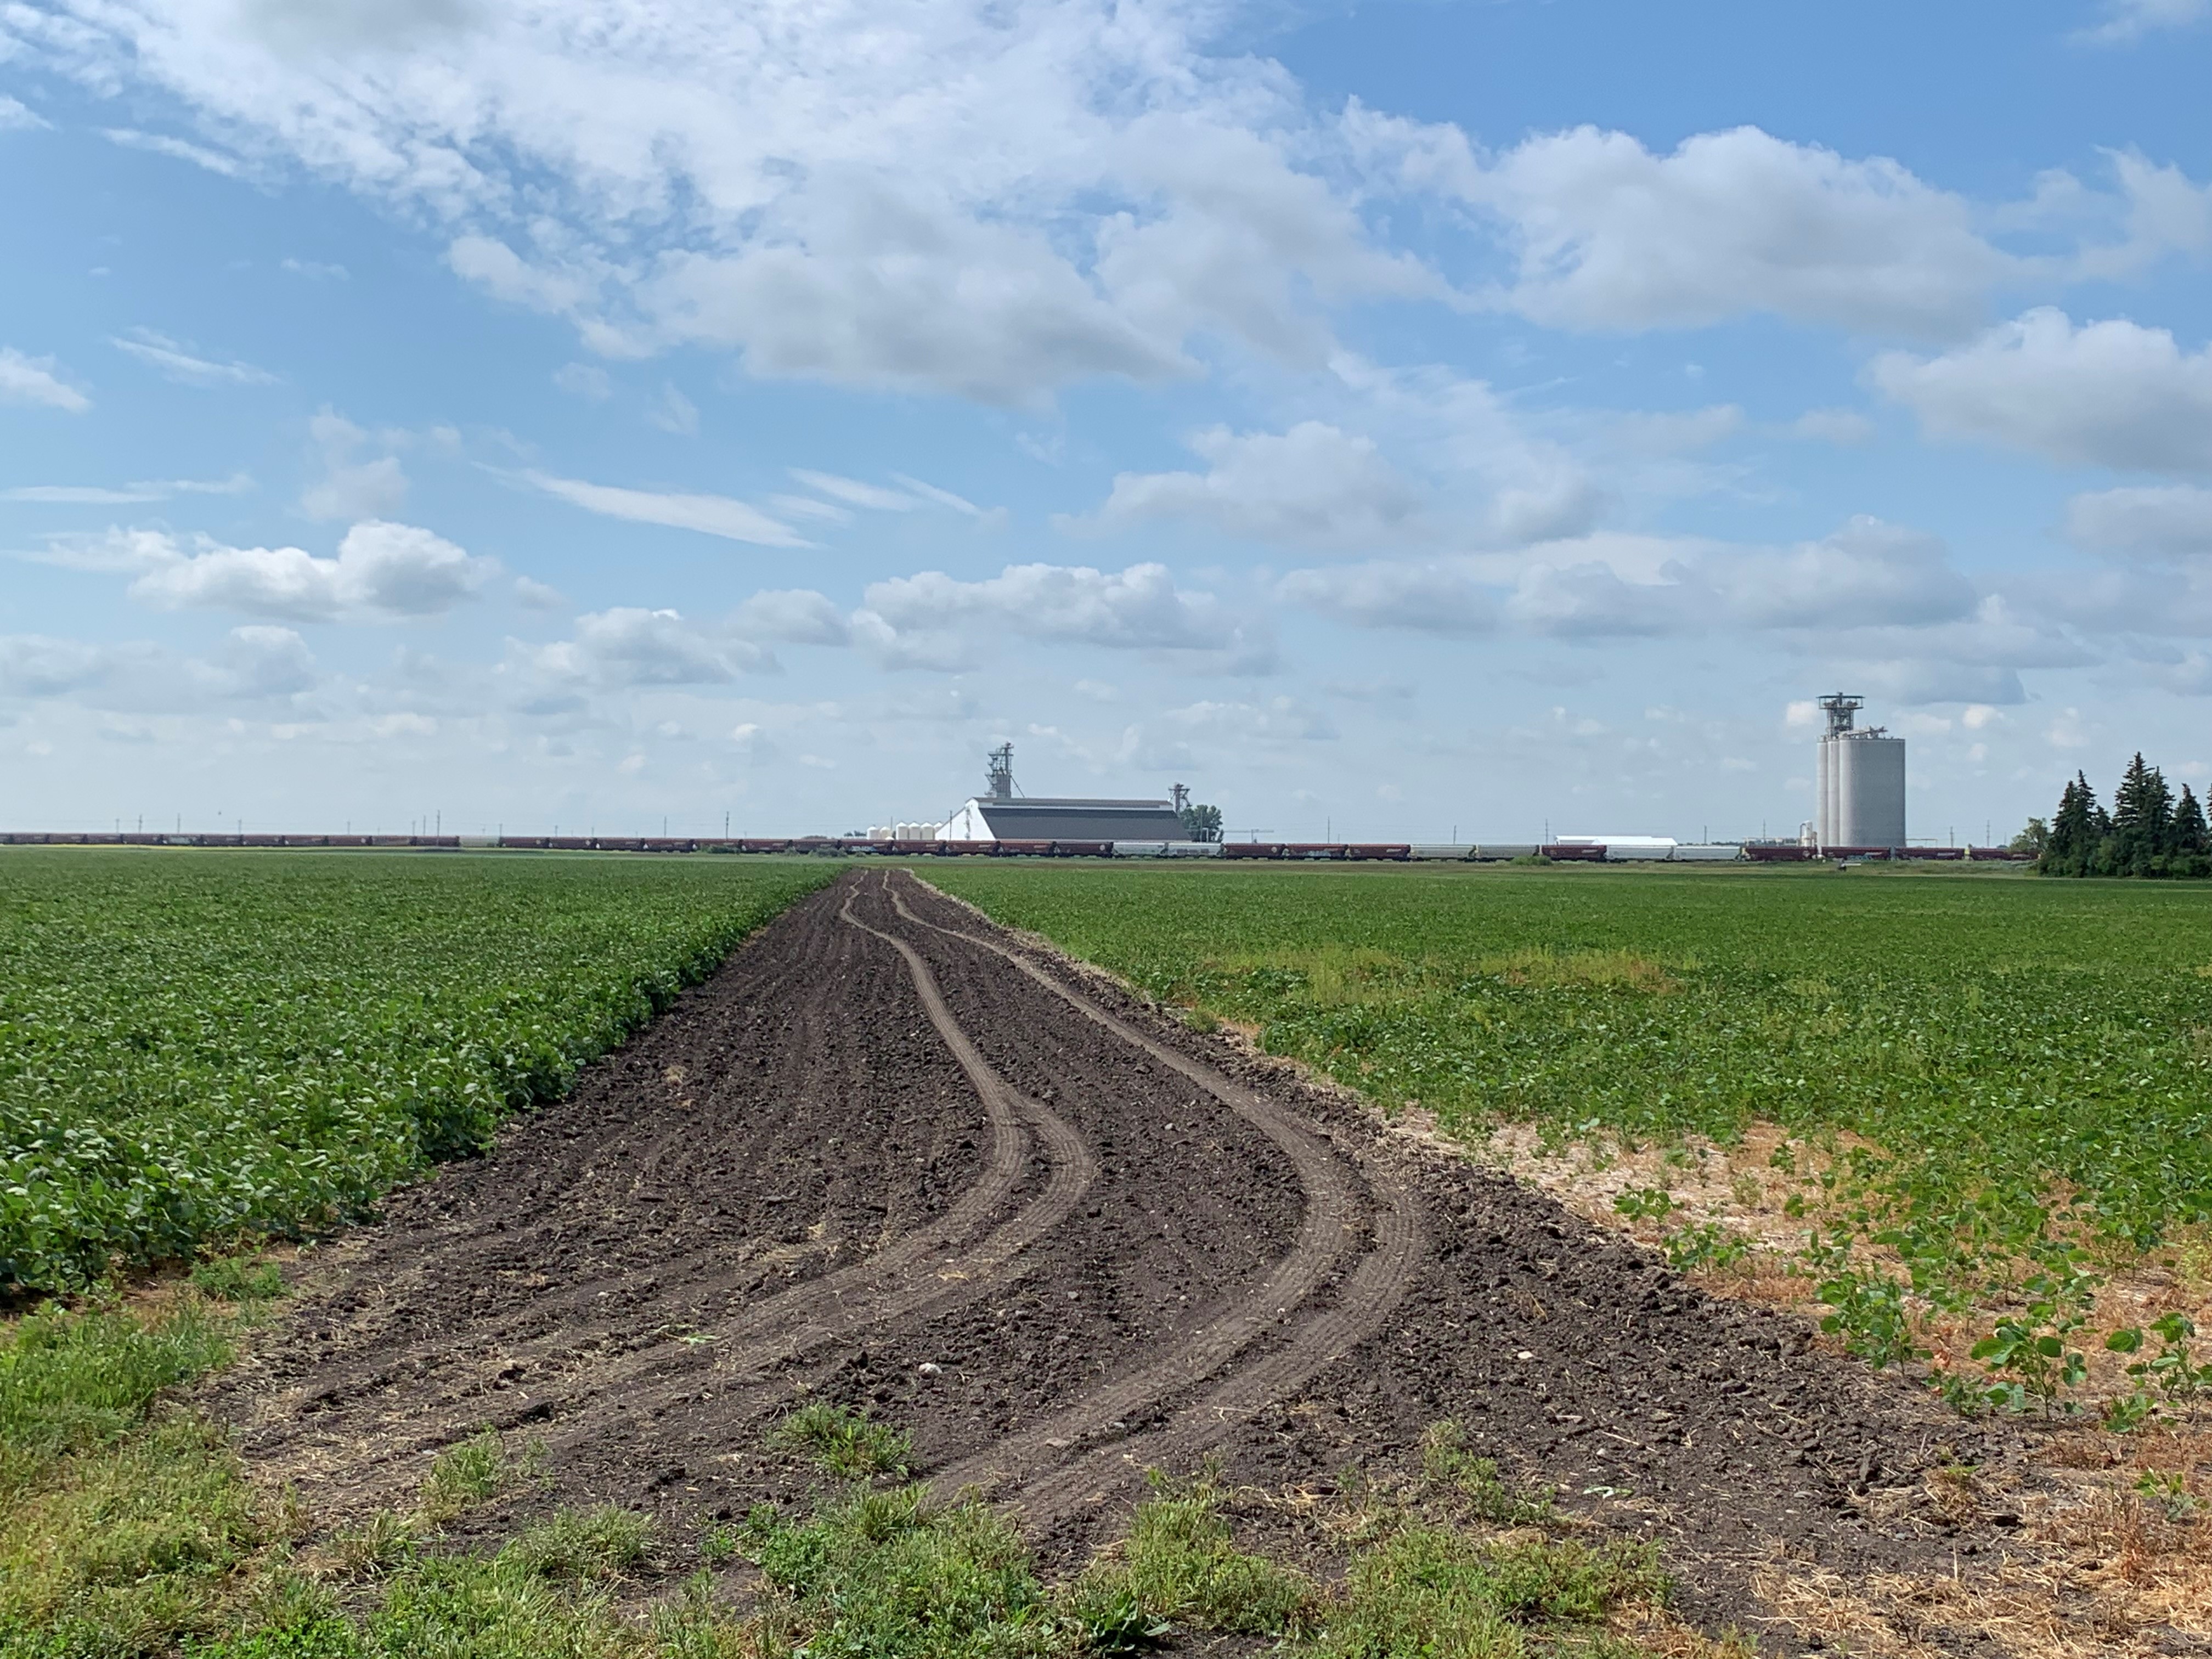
(197, 1046)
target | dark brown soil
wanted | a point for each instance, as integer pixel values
(892, 1156)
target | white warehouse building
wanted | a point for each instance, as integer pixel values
(1003, 814)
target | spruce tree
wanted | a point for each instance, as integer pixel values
(2142, 804)
(2187, 837)
(2143, 814)
(2073, 832)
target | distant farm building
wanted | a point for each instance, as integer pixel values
(1001, 814)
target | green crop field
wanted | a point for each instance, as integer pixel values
(198, 1045)
(2030, 1060)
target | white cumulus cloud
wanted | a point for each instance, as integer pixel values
(2113, 393)
(629, 646)
(1314, 485)
(2157, 522)
(352, 485)
(383, 572)
(1607, 234)
(935, 620)
(934, 195)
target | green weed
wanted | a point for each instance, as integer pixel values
(473, 1472)
(600, 1545)
(1446, 1462)
(1427, 1592)
(1707, 1247)
(1179, 1565)
(888, 1575)
(239, 1278)
(138, 1546)
(845, 1443)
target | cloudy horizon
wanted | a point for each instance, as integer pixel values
(1395, 422)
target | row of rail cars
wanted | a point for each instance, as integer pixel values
(1320, 852)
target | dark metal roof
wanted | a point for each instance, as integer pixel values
(1049, 819)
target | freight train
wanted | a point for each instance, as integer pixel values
(847, 846)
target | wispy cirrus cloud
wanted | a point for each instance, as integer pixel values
(2127, 21)
(710, 515)
(25, 379)
(147, 490)
(156, 144)
(179, 361)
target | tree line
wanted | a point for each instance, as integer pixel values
(2148, 832)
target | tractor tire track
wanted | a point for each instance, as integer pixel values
(1333, 1221)
(927, 1269)
(906, 1281)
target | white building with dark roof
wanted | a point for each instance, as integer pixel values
(1003, 814)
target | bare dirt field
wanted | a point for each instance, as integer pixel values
(891, 1156)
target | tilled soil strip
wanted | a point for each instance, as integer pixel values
(892, 1156)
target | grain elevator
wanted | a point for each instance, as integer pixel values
(1861, 794)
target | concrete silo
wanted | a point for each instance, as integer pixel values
(1862, 781)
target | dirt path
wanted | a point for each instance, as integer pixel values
(891, 1156)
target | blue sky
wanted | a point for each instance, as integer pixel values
(1389, 420)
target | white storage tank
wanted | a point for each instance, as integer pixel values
(1861, 781)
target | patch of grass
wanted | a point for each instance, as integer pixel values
(239, 1278)
(695, 1627)
(473, 1472)
(1446, 1462)
(376, 1546)
(132, 1548)
(845, 1443)
(889, 1574)
(1431, 1591)
(73, 1381)
(1179, 1565)
(328, 1638)
(600, 1545)
(544, 1596)
(498, 1607)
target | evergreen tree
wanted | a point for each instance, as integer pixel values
(2073, 832)
(2142, 816)
(2150, 832)
(2142, 804)
(2187, 837)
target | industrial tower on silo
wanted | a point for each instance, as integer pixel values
(1861, 783)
